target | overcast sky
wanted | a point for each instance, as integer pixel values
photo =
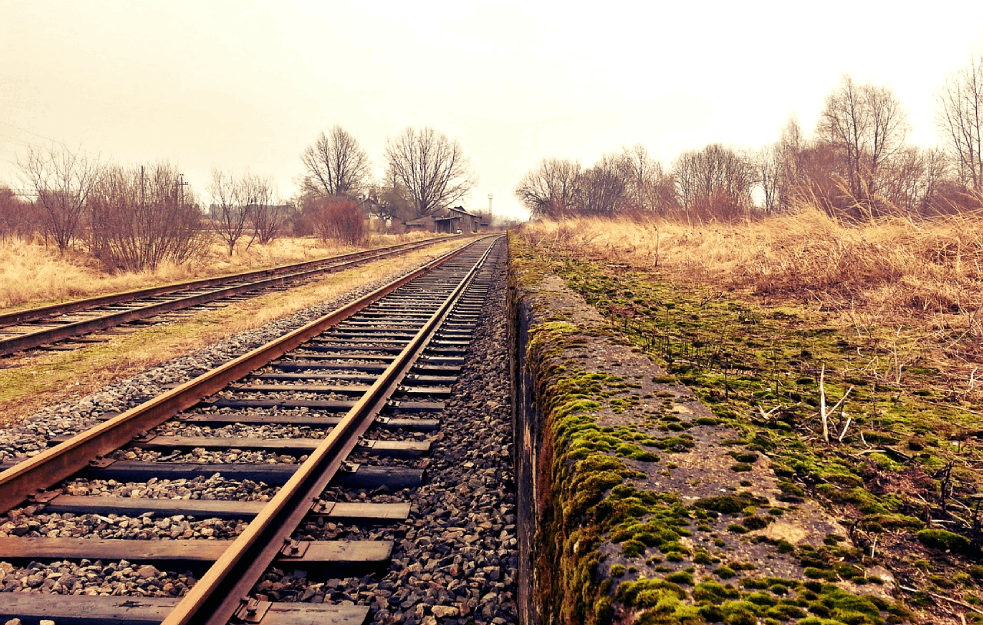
(247, 85)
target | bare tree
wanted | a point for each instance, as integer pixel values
(266, 214)
(390, 200)
(550, 189)
(714, 182)
(336, 165)
(868, 125)
(959, 115)
(142, 217)
(600, 190)
(431, 167)
(234, 201)
(647, 186)
(768, 177)
(17, 216)
(787, 156)
(63, 180)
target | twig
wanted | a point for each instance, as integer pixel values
(823, 413)
(934, 595)
(845, 427)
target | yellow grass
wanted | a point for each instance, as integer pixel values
(32, 382)
(916, 287)
(32, 274)
(897, 265)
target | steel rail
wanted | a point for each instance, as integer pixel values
(79, 328)
(41, 312)
(221, 591)
(61, 461)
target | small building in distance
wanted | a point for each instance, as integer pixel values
(456, 219)
(448, 221)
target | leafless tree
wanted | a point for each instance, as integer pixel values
(600, 190)
(336, 165)
(768, 177)
(17, 216)
(267, 214)
(867, 124)
(647, 186)
(142, 217)
(550, 189)
(234, 202)
(714, 182)
(390, 200)
(959, 115)
(431, 167)
(63, 179)
(787, 156)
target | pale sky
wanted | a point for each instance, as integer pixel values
(248, 85)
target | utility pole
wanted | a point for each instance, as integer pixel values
(180, 185)
(489, 204)
(143, 192)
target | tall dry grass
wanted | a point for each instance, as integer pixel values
(914, 289)
(901, 265)
(33, 274)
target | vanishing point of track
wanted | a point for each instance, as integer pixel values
(379, 366)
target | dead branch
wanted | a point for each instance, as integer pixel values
(824, 414)
(934, 595)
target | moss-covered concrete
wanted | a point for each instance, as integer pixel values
(642, 505)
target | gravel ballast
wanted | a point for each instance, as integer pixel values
(454, 561)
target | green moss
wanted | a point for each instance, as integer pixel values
(726, 504)
(647, 592)
(617, 570)
(681, 578)
(943, 539)
(744, 457)
(725, 572)
(756, 522)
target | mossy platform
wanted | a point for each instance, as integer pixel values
(643, 506)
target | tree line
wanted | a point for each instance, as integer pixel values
(136, 217)
(856, 164)
(424, 172)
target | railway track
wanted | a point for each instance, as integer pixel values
(47, 325)
(324, 428)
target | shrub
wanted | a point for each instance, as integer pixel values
(340, 219)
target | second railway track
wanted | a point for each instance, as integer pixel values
(323, 438)
(44, 326)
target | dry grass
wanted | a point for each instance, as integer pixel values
(896, 265)
(915, 287)
(43, 378)
(32, 274)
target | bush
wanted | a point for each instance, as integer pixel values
(340, 219)
(138, 220)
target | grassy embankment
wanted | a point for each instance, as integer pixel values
(28, 383)
(763, 320)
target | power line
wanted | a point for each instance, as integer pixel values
(31, 132)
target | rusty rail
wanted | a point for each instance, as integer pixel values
(221, 592)
(57, 463)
